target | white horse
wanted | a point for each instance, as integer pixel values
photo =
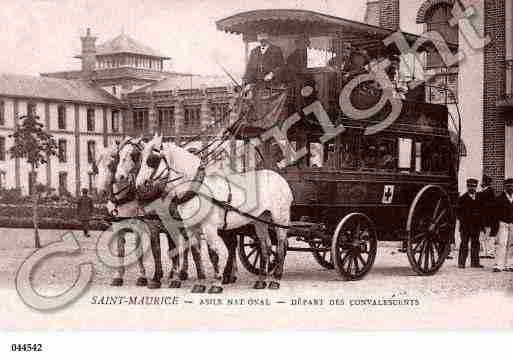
(106, 164)
(123, 204)
(129, 164)
(263, 195)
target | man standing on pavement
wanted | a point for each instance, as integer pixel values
(85, 210)
(504, 214)
(487, 199)
(469, 215)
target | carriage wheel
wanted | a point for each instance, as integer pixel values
(354, 246)
(250, 254)
(322, 257)
(430, 230)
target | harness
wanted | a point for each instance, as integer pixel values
(131, 194)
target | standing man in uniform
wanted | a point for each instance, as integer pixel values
(504, 214)
(85, 209)
(487, 198)
(265, 63)
(469, 214)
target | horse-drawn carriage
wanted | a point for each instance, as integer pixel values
(326, 179)
(398, 184)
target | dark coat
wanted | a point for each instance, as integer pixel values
(487, 199)
(503, 212)
(503, 209)
(354, 65)
(260, 64)
(469, 213)
(85, 207)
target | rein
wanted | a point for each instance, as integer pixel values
(131, 194)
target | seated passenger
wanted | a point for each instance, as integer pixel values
(350, 63)
(386, 159)
(370, 157)
(295, 76)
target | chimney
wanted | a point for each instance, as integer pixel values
(88, 53)
(389, 14)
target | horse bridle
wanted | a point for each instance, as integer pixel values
(130, 187)
(153, 161)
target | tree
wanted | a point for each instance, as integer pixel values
(35, 145)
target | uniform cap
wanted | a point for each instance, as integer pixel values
(472, 181)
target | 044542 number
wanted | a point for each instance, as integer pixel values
(26, 347)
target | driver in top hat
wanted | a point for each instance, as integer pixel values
(265, 62)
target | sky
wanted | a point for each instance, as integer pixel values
(43, 35)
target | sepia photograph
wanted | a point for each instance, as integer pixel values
(238, 165)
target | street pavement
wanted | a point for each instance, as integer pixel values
(310, 298)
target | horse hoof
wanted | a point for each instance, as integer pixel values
(141, 282)
(215, 290)
(259, 284)
(229, 280)
(198, 288)
(274, 285)
(154, 284)
(183, 276)
(117, 282)
(175, 284)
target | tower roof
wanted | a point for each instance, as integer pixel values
(124, 44)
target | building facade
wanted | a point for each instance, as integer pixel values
(121, 89)
(81, 117)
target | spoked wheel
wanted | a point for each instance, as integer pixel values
(431, 228)
(354, 246)
(322, 254)
(250, 254)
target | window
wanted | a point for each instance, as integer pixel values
(91, 151)
(3, 182)
(32, 181)
(438, 20)
(62, 151)
(31, 109)
(91, 182)
(63, 183)
(192, 117)
(2, 148)
(219, 114)
(140, 119)
(90, 119)
(405, 149)
(166, 118)
(2, 113)
(61, 117)
(432, 156)
(115, 121)
(378, 154)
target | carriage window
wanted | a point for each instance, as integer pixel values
(435, 157)
(348, 151)
(378, 154)
(418, 157)
(330, 155)
(316, 155)
(405, 148)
